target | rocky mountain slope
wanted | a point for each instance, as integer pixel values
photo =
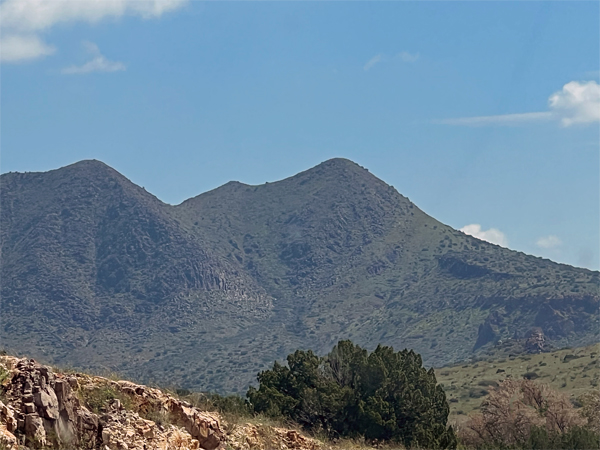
(98, 273)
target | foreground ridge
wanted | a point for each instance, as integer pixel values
(42, 407)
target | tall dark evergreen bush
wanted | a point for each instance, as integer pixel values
(382, 395)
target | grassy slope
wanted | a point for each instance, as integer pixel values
(572, 371)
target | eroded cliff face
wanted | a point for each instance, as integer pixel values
(42, 408)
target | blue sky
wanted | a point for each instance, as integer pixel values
(485, 114)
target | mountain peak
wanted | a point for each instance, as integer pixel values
(338, 164)
(338, 170)
(89, 165)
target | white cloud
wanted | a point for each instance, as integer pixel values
(374, 60)
(576, 103)
(407, 57)
(492, 235)
(25, 19)
(39, 15)
(23, 48)
(98, 63)
(550, 241)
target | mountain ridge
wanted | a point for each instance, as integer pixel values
(249, 273)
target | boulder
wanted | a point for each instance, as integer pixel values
(34, 429)
(45, 400)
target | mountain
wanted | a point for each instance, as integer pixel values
(98, 273)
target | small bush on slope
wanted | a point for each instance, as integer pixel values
(524, 414)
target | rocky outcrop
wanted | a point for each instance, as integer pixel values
(490, 330)
(124, 429)
(263, 437)
(45, 407)
(554, 322)
(8, 425)
(202, 426)
(535, 340)
(51, 410)
(48, 409)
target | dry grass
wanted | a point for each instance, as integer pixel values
(570, 371)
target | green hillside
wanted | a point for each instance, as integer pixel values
(99, 274)
(573, 371)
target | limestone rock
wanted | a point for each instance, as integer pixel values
(202, 426)
(47, 411)
(44, 409)
(8, 425)
(8, 440)
(264, 437)
(34, 429)
(45, 400)
(7, 418)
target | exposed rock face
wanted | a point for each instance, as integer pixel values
(554, 322)
(45, 409)
(535, 340)
(48, 409)
(8, 425)
(489, 331)
(202, 426)
(262, 437)
(122, 429)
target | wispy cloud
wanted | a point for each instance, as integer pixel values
(374, 60)
(576, 103)
(23, 21)
(98, 63)
(550, 241)
(407, 57)
(404, 57)
(505, 119)
(492, 235)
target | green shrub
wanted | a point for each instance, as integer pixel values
(530, 375)
(478, 393)
(98, 398)
(569, 357)
(382, 395)
(4, 374)
(491, 383)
